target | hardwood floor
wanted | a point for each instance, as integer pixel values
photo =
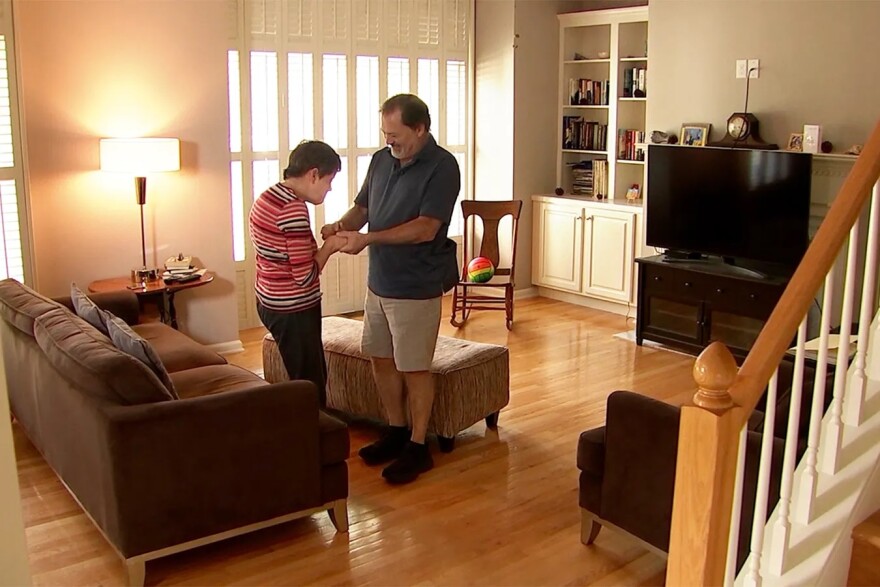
(501, 509)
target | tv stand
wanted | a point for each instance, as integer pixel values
(688, 303)
(716, 266)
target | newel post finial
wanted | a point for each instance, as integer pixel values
(714, 371)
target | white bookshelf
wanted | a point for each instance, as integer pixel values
(622, 35)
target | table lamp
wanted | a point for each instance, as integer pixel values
(139, 157)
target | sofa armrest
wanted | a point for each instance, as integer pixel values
(185, 469)
(119, 303)
(641, 447)
(591, 451)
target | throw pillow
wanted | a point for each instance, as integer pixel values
(129, 341)
(86, 309)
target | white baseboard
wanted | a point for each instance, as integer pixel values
(227, 348)
(620, 308)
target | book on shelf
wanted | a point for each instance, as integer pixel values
(630, 144)
(582, 178)
(635, 82)
(583, 135)
(588, 92)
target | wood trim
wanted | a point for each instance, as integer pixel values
(777, 333)
(704, 476)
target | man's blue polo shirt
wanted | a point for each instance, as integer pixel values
(427, 186)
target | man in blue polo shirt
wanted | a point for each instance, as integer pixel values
(408, 197)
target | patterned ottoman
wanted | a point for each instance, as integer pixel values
(472, 380)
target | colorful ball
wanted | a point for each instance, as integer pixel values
(480, 270)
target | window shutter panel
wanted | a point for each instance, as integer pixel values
(367, 15)
(429, 12)
(263, 18)
(300, 19)
(398, 16)
(334, 20)
(455, 33)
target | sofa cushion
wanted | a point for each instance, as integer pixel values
(177, 351)
(87, 309)
(88, 359)
(20, 305)
(212, 379)
(334, 439)
(129, 341)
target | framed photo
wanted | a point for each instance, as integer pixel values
(796, 141)
(694, 134)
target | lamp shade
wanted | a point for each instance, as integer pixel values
(140, 156)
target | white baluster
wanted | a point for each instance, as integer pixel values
(736, 510)
(855, 397)
(832, 437)
(803, 513)
(782, 527)
(759, 521)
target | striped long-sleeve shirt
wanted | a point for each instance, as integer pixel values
(288, 279)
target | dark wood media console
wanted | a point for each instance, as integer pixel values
(686, 304)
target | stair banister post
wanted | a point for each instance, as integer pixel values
(704, 474)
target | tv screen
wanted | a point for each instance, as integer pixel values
(740, 203)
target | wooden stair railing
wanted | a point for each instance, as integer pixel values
(709, 430)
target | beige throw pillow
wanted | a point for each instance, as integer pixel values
(129, 341)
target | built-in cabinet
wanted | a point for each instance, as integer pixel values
(585, 248)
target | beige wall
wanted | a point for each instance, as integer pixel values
(92, 69)
(818, 65)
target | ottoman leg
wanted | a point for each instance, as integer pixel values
(492, 420)
(447, 443)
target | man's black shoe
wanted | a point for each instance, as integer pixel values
(387, 448)
(415, 460)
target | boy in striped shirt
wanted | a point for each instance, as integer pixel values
(289, 261)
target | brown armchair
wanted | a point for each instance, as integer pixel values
(464, 298)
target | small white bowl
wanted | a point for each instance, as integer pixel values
(604, 54)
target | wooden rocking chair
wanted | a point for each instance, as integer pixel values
(464, 298)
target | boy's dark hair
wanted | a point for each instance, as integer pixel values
(312, 155)
(413, 111)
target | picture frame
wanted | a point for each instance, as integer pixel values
(795, 142)
(694, 134)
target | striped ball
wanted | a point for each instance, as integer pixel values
(480, 270)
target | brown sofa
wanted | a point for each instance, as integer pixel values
(162, 471)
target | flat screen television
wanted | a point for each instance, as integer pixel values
(739, 204)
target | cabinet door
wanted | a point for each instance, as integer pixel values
(558, 233)
(609, 243)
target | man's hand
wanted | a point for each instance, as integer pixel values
(329, 230)
(356, 241)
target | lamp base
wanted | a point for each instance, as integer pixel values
(144, 275)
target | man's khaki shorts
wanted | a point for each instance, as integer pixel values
(403, 329)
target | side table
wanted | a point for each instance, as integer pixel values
(152, 291)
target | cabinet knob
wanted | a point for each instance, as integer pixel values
(588, 218)
(658, 278)
(719, 290)
(687, 283)
(752, 296)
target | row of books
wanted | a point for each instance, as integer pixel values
(588, 92)
(583, 135)
(590, 178)
(631, 144)
(635, 82)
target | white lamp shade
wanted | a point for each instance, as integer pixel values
(140, 156)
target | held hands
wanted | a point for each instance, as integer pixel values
(355, 241)
(333, 242)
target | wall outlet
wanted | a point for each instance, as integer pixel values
(754, 68)
(741, 68)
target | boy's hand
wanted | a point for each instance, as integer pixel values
(329, 230)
